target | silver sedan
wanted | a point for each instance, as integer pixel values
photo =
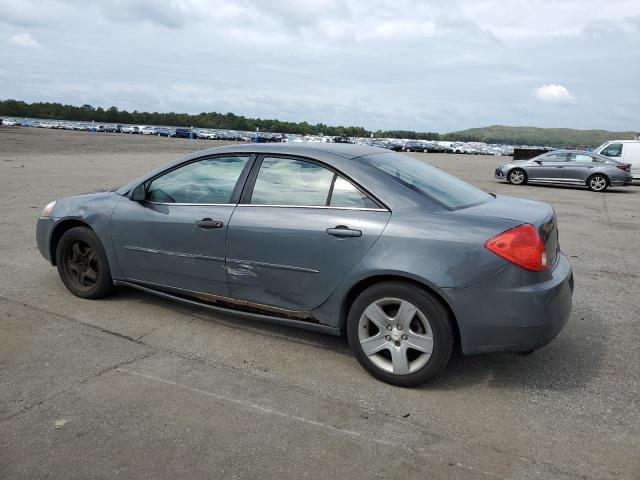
(571, 167)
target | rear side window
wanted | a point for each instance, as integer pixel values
(344, 194)
(613, 150)
(581, 158)
(284, 181)
(428, 181)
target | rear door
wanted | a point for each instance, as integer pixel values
(176, 236)
(580, 167)
(297, 232)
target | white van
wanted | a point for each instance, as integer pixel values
(627, 151)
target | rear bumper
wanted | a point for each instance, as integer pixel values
(511, 313)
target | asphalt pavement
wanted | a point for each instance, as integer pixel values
(135, 386)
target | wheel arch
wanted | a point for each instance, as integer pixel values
(365, 283)
(59, 230)
(518, 167)
(602, 174)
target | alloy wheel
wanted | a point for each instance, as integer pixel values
(516, 177)
(598, 183)
(81, 265)
(396, 336)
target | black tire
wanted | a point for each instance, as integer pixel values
(598, 182)
(82, 264)
(517, 176)
(440, 324)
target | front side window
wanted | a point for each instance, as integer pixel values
(613, 150)
(429, 181)
(211, 180)
(554, 157)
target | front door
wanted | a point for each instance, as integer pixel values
(549, 167)
(176, 236)
(302, 229)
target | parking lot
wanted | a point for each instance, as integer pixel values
(140, 387)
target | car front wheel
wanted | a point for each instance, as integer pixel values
(400, 333)
(82, 264)
(517, 176)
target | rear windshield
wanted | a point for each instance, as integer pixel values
(428, 181)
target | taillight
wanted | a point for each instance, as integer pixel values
(521, 246)
(626, 168)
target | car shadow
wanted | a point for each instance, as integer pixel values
(568, 363)
(237, 321)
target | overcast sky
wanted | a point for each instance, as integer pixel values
(418, 65)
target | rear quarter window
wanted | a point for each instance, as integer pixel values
(428, 181)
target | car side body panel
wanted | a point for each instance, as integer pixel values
(418, 246)
(284, 256)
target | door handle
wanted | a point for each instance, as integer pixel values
(559, 166)
(343, 231)
(208, 224)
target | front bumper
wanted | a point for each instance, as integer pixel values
(499, 174)
(515, 310)
(44, 227)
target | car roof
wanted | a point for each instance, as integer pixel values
(338, 155)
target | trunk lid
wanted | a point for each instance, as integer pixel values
(521, 210)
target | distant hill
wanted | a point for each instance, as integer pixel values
(553, 137)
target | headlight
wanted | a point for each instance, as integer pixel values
(46, 213)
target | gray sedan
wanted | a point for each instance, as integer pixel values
(570, 167)
(405, 260)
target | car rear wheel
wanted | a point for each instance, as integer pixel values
(517, 176)
(597, 183)
(82, 264)
(400, 333)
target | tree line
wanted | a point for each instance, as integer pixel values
(229, 121)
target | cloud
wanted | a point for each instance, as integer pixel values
(406, 64)
(554, 94)
(24, 40)
(169, 14)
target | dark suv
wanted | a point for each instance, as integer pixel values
(415, 147)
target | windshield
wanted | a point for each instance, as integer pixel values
(428, 181)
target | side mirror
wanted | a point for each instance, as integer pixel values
(139, 193)
(539, 162)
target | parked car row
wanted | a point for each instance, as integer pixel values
(624, 151)
(407, 145)
(161, 131)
